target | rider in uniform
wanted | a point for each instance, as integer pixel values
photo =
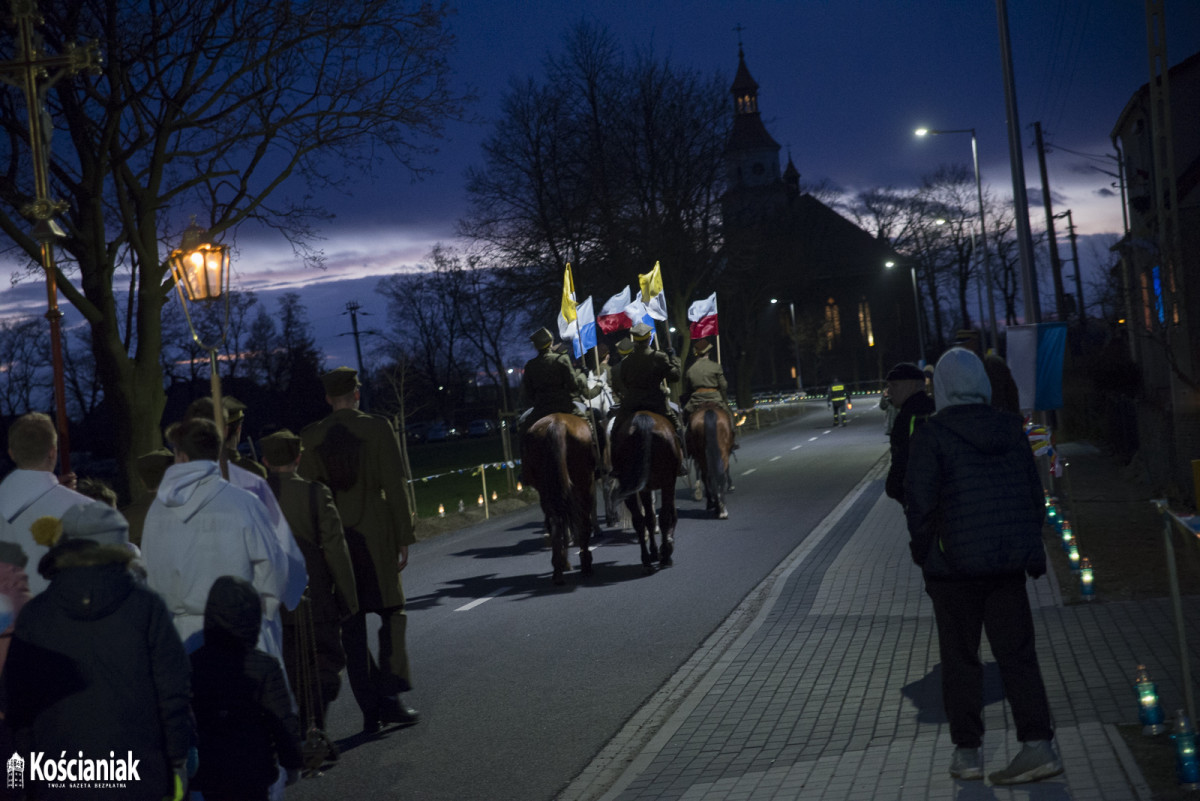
(837, 401)
(642, 374)
(704, 382)
(550, 384)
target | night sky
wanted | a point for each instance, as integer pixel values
(843, 83)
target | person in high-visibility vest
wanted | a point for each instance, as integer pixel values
(837, 402)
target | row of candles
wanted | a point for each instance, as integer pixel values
(1079, 564)
(462, 507)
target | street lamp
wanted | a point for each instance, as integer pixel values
(795, 343)
(201, 273)
(987, 256)
(917, 305)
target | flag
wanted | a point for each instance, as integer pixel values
(1035, 357)
(652, 293)
(567, 328)
(586, 322)
(638, 313)
(703, 317)
(612, 316)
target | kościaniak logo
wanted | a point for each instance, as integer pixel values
(111, 773)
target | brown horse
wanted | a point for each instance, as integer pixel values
(645, 457)
(709, 443)
(560, 465)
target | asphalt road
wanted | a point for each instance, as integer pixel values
(520, 683)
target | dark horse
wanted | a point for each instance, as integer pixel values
(709, 443)
(645, 457)
(560, 465)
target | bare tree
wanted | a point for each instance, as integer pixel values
(213, 108)
(24, 364)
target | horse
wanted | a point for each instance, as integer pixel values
(646, 457)
(709, 443)
(560, 464)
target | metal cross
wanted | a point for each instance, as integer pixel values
(34, 71)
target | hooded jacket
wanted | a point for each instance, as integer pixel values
(975, 505)
(201, 527)
(243, 710)
(96, 667)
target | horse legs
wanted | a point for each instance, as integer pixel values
(644, 528)
(666, 525)
(584, 538)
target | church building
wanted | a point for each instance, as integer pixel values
(806, 283)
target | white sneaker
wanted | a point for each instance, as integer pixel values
(1036, 760)
(966, 764)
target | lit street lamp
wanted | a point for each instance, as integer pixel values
(201, 273)
(917, 304)
(795, 343)
(987, 257)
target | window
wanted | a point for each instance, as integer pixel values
(864, 323)
(833, 324)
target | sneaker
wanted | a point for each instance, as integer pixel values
(1036, 760)
(966, 764)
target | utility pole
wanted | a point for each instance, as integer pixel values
(352, 308)
(1052, 239)
(1075, 258)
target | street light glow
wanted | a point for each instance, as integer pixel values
(921, 131)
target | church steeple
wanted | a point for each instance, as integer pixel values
(752, 156)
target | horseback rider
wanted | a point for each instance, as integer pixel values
(599, 380)
(704, 382)
(550, 384)
(642, 376)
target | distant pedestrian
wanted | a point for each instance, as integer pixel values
(247, 728)
(905, 394)
(32, 490)
(975, 508)
(96, 667)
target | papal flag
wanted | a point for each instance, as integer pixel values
(567, 314)
(703, 317)
(652, 293)
(1035, 357)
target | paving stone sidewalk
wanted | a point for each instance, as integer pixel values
(832, 691)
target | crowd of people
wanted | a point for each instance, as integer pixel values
(194, 641)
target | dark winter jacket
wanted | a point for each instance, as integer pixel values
(911, 415)
(243, 711)
(973, 497)
(96, 666)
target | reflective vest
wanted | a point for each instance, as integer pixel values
(837, 392)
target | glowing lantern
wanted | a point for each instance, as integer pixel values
(1149, 712)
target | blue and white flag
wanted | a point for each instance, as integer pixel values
(637, 312)
(585, 320)
(1035, 357)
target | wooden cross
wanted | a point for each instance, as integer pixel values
(34, 71)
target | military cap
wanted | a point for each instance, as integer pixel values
(542, 339)
(701, 346)
(625, 346)
(234, 409)
(152, 465)
(905, 371)
(641, 332)
(340, 381)
(280, 448)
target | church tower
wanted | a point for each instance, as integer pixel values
(751, 155)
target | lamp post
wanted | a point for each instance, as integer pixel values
(917, 307)
(201, 273)
(795, 344)
(987, 256)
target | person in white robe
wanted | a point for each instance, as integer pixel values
(32, 490)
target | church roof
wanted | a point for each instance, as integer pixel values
(743, 83)
(749, 133)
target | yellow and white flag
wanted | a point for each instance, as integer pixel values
(652, 293)
(567, 315)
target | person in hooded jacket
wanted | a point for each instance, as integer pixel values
(95, 665)
(975, 508)
(244, 714)
(201, 527)
(906, 394)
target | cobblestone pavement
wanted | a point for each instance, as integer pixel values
(829, 688)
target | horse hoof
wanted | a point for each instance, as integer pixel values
(698, 491)
(649, 570)
(729, 488)
(722, 515)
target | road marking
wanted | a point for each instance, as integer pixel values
(796, 447)
(748, 472)
(814, 439)
(775, 458)
(484, 599)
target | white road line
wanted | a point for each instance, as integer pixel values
(796, 447)
(484, 599)
(775, 458)
(814, 439)
(748, 472)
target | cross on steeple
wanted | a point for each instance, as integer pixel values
(739, 30)
(34, 71)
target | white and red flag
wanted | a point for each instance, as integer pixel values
(612, 315)
(703, 317)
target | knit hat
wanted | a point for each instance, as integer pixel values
(280, 448)
(97, 522)
(905, 371)
(340, 381)
(959, 379)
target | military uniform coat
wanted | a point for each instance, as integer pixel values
(551, 384)
(705, 382)
(357, 455)
(331, 585)
(641, 375)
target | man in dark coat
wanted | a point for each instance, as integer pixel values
(312, 634)
(975, 509)
(357, 455)
(550, 384)
(705, 382)
(905, 392)
(95, 664)
(643, 373)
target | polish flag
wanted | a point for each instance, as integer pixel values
(612, 316)
(703, 317)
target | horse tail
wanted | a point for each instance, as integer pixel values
(712, 451)
(635, 473)
(558, 496)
